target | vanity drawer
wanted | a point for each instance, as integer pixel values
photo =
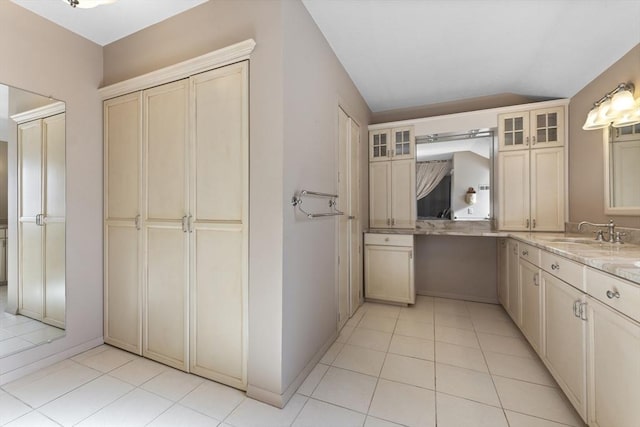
(388, 239)
(614, 292)
(565, 269)
(530, 253)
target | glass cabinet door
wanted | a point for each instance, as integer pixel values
(403, 143)
(547, 128)
(379, 145)
(513, 131)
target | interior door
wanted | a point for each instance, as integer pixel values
(344, 133)
(165, 223)
(31, 263)
(355, 240)
(219, 227)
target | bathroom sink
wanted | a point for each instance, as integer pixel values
(578, 240)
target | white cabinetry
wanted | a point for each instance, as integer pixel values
(392, 178)
(531, 178)
(176, 199)
(388, 261)
(531, 303)
(513, 307)
(41, 218)
(503, 272)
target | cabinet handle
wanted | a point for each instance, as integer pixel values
(576, 308)
(388, 221)
(527, 223)
(137, 222)
(613, 294)
(536, 280)
(533, 140)
(525, 252)
(393, 221)
(184, 224)
(583, 311)
(555, 266)
(190, 224)
(37, 219)
(534, 223)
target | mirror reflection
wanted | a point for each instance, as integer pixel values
(32, 161)
(624, 173)
(453, 175)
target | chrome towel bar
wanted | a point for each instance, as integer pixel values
(296, 200)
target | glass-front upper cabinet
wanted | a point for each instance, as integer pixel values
(536, 129)
(391, 144)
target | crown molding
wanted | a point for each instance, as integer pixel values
(217, 58)
(39, 113)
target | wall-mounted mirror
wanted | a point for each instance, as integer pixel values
(32, 202)
(622, 170)
(454, 175)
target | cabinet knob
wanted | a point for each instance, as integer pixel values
(613, 294)
(555, 266)
(525, 253)
(386, 239)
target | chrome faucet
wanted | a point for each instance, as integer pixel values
(612, 236)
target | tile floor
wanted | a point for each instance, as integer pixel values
(18, 333)
(442, 362)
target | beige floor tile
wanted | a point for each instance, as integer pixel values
(179, 415)
(384, 310)
(415, 329)
(138, 371)
(409, 370)
(423, 301)
(377, 422)
(332, 353)
(536, 400)
(33, 419)
(412, 347)
(346, 388)
(404, 404)
(416, 315)
(505, 345)
(463, 357)
(453, 321)
(345, 334)
(466, 383)
(360, 359)
(313, 379)
(44, 335)
(107, 360)
(375, 340)
(172, 384)
(213, 399)
(497, 327)
(321, 414)
(457, 412)
(457, 336)
(522, 420)
(519, 368)
(11, 408)
(14, 345)
(137, 408)
(378, 323)
(251, 413)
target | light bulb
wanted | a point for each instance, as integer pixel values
(622, 101)
(630, 117)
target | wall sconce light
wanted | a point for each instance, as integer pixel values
(471, 196)
(618, 108)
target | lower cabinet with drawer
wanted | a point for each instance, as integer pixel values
(388, 268)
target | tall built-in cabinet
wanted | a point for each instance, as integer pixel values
(41, 214)
(176, 223)
(392, 178)
(531, 170)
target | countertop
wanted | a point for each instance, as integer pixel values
(622, 260)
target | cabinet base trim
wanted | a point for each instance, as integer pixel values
(471, 298)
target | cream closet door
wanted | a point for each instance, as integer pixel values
(219, 227)
(123, 275)
(343, 220)
(53, 218)
(31, 263)
(165, 219)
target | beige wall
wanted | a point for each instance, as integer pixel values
(44, 58)
(315, 85)
(586, 164)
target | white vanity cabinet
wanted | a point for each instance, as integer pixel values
(392, 178)
(389, 272)
(513, 274)
(531, 165)
(531, 296)
(503, 272)
(614, 345)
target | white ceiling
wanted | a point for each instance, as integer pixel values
(108, 23)
(407, 53)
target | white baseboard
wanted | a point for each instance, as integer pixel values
(280, 400)
(473, 298)
(48, 361)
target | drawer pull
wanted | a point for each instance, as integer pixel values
(576, 308)
(555, 266)
(525, 253)
(613, 294)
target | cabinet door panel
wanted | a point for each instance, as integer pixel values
(54, 277)
(403, 144)
(389, 273)
(503, 270)
(513, 190)
(379, 145)
(30, 169)
(165, 138)
(513, 131)
(166, 296)
(531, 304)
(614, 370)
(547, 189)
(123, 145)
(217, 303)
(547, 127)
(123, 326)
(514, 283)
(53, 129)
(31, 271)
(220, 143)
(403, 193)
(565, 339)
(379, 194)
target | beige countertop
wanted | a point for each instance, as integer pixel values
(622, 260)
